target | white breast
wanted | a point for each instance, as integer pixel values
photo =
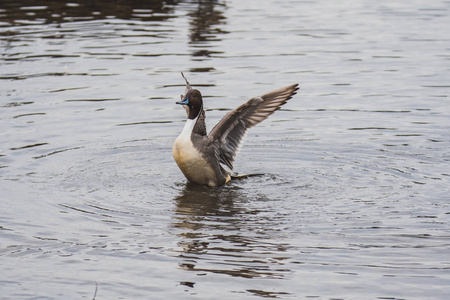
(183, 150)
(190, 161)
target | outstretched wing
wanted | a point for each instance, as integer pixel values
(228, 133)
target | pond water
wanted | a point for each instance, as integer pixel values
(353, 200)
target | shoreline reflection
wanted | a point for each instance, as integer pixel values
(57, 12)
(206, 19)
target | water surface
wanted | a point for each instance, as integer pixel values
(353, 202)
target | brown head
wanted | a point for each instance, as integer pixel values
(193, 101)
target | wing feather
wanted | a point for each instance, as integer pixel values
(227, 135)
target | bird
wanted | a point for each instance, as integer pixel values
(202, 157)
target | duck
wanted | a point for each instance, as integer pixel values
(202, 157)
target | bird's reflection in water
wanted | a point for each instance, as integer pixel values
(220, 235)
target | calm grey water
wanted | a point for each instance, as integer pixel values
(354, 200)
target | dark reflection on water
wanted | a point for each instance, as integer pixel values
(219, 235)
(204, 22)
(47, 12)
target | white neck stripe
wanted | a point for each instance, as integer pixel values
(188, 127)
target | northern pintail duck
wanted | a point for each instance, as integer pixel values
(199, 155)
